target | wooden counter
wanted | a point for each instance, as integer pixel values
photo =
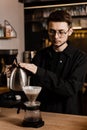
(9, 120)
(4, 89)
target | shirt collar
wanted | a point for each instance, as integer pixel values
(69, 50)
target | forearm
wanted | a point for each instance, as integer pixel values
(49, 80)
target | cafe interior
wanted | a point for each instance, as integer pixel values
(22, 25)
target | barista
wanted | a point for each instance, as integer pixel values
(59, 69)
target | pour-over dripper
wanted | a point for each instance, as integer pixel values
(32, 93)
(32, 116)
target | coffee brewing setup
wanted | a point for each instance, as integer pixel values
(32, 116)
(19, 82)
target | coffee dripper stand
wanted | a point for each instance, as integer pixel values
(32, 116)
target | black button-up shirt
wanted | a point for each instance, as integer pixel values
(61, 75)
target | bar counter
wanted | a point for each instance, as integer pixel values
(10, 120)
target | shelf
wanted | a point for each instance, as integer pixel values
(7, 31)
(80, 16)
(45, 3)
(44, 19)
(6, 37)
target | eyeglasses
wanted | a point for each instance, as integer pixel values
(60, 33)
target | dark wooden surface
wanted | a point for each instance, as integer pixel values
(53, 121)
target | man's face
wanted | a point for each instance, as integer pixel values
(58, 32)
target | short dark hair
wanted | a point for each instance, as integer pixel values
(60, 16)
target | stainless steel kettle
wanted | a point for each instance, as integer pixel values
(18, 79)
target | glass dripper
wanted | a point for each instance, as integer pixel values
(32, 93)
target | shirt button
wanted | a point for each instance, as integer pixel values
(61, 61)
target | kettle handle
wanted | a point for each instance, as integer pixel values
(16, 63)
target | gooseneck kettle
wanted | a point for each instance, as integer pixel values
(18, 78)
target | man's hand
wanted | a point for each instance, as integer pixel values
(8, 70)
(28, 66)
